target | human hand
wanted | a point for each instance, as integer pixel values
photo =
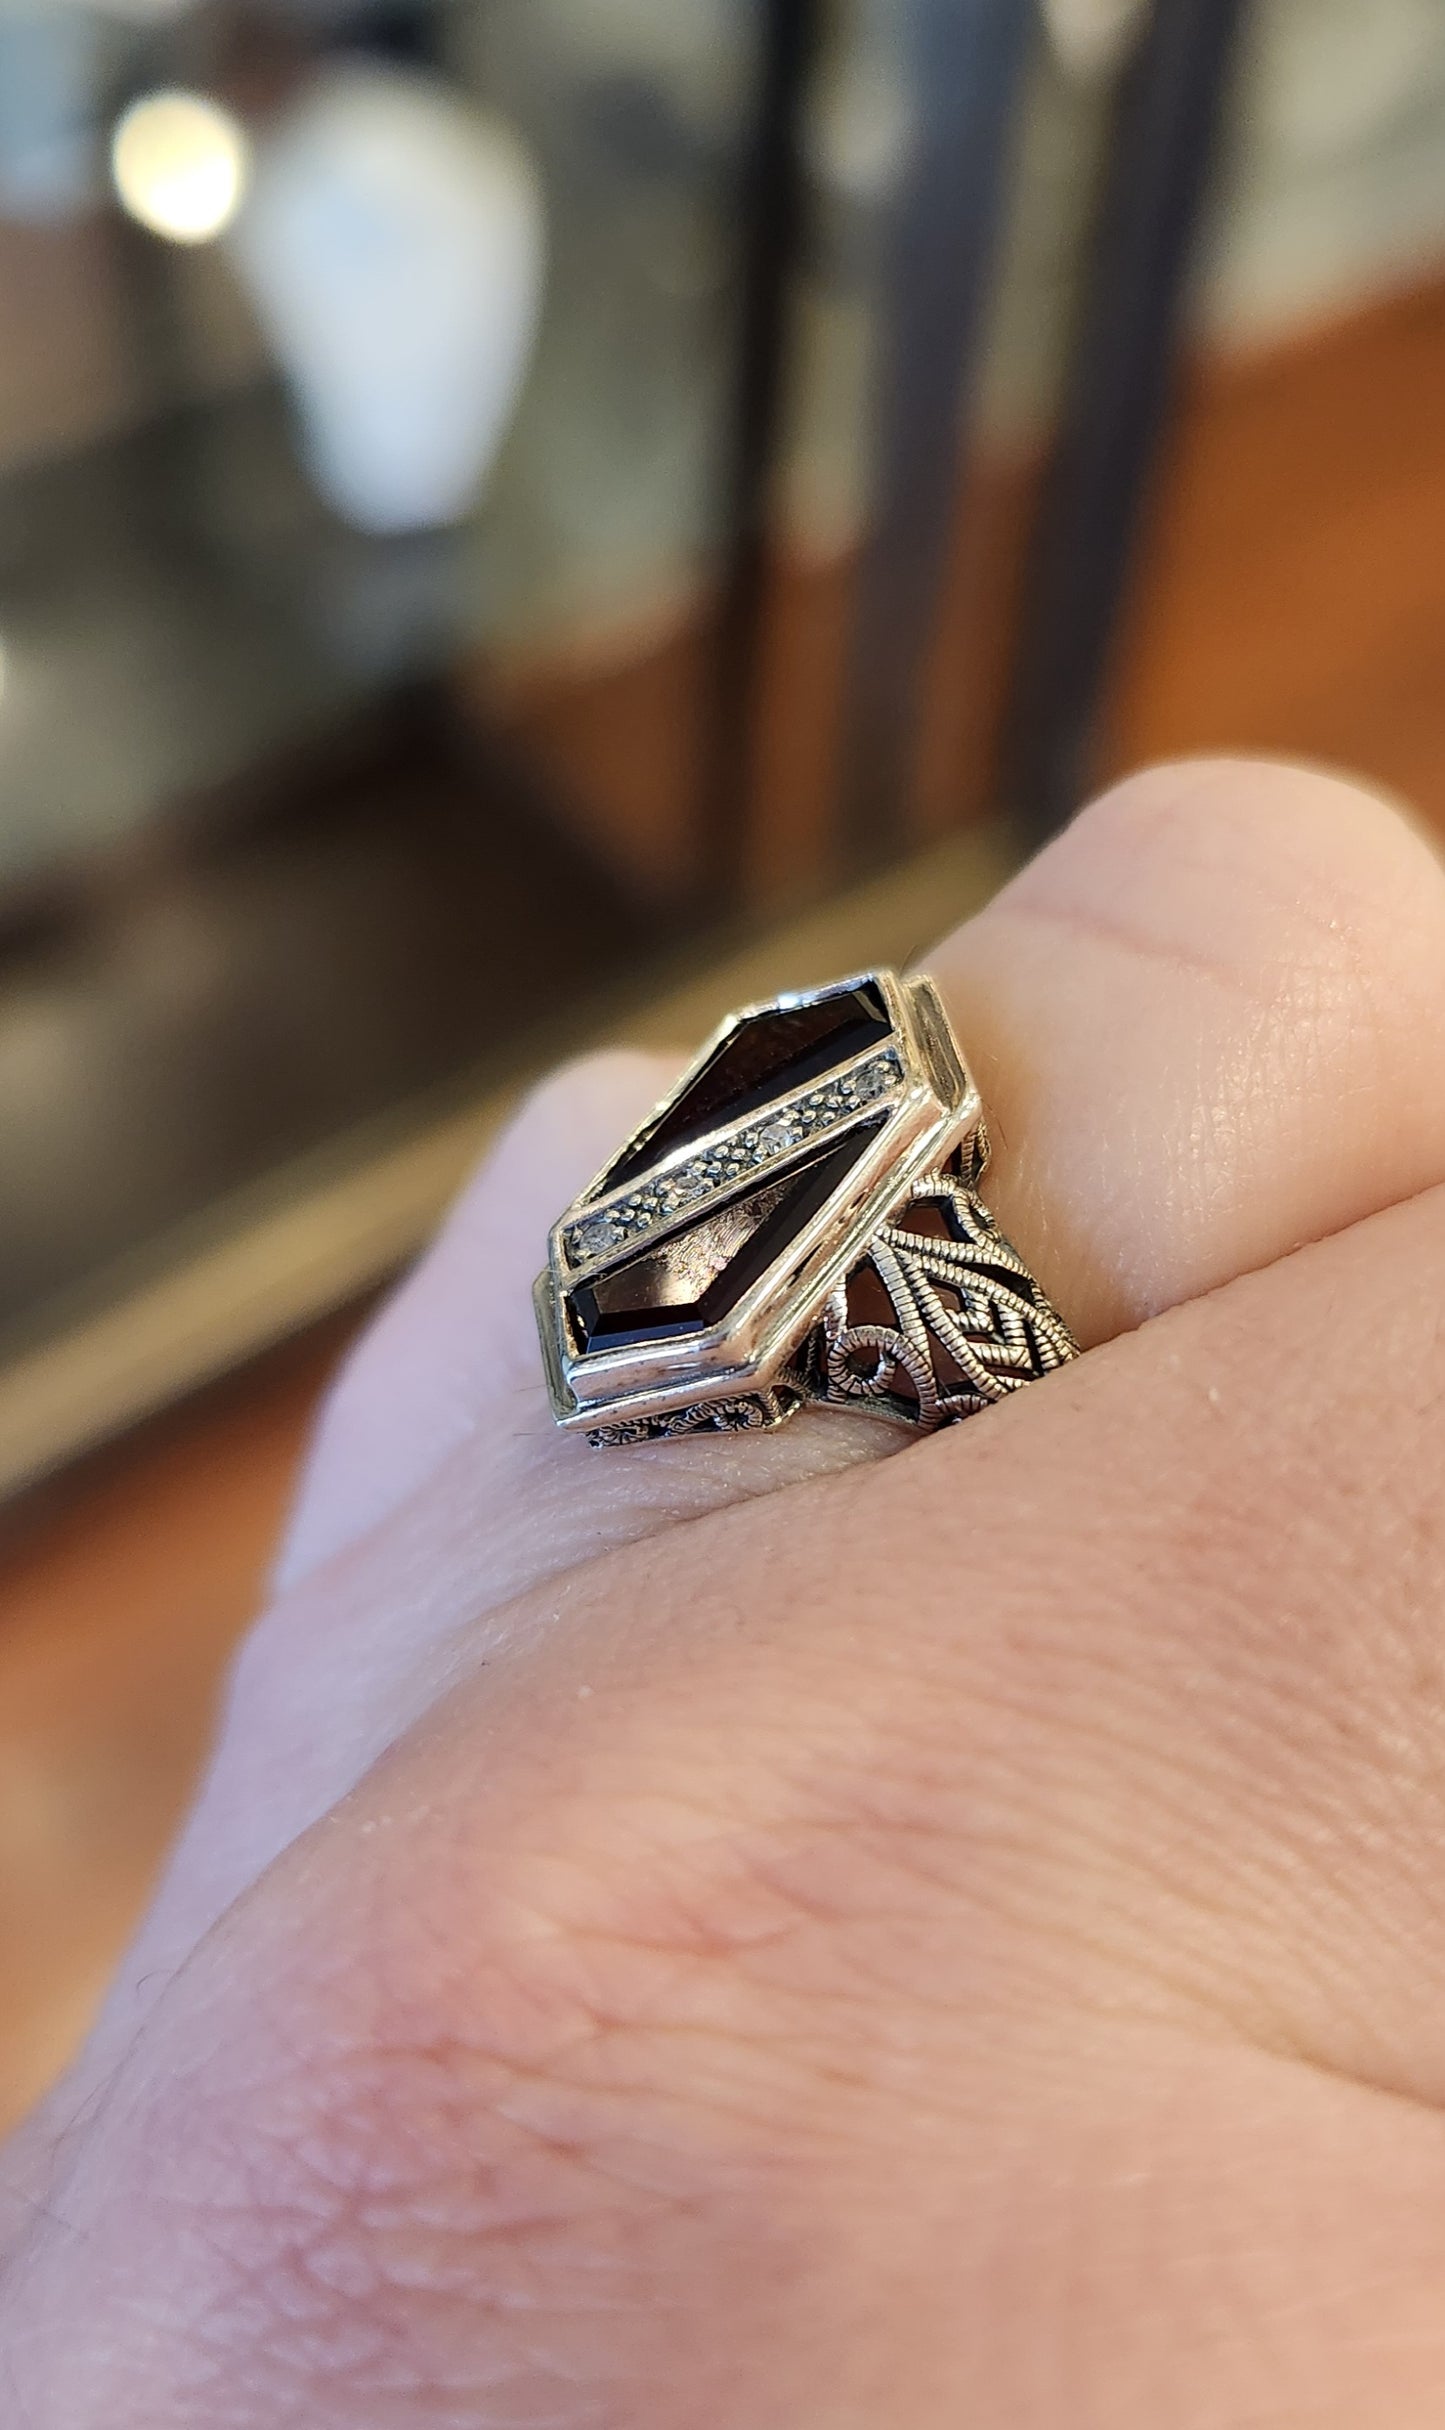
(754, 1935)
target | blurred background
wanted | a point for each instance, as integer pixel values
(527, 519)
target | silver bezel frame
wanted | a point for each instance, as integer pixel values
(933, 1110)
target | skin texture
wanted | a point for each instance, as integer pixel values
(769, 1936)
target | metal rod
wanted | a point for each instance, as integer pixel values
(964, 62)
(1116, 406)
(773, 223)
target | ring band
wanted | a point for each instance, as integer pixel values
(798, 1222)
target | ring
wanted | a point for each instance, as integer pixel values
(797, 1223)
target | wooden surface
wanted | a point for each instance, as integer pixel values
(1294, 599)
(122, 1593)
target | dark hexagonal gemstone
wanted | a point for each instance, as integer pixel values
(697, 1277)
(769, 1055)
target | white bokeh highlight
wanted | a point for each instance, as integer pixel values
(394, 247)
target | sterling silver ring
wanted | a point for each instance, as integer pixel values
(797, 1223)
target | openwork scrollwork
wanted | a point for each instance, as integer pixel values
(942, 1317)
(747, 1416)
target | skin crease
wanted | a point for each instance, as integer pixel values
(761, 1935)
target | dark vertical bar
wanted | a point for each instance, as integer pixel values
(1116, 405)
(773, 212)
(964, 62)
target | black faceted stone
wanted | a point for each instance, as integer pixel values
(769, 1055)
(696, 1278)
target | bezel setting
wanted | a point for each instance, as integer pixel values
(755, 1186)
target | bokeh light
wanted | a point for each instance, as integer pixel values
(180, 164)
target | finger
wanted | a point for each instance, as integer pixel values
(1205, 1025)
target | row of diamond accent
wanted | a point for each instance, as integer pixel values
(731, 1159)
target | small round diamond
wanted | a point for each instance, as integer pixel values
(783, 1132)
(875, 1079)
(595, 1237)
